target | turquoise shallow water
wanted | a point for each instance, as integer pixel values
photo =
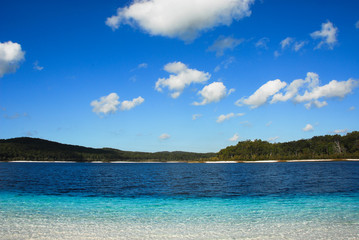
(63, 217)
(180, 201)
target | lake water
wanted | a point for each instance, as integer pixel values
(317, 200)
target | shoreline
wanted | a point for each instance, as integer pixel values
(194, 161)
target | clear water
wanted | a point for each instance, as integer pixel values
(179, 201)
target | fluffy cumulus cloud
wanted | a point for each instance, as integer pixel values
(106, 104)
(213, 92)
(234, 138)
(222, 118)
(261, 96)
(164, 136)
(224, 43)
(111, 104)
(316, 103)
(308, 128)
(127, 105)
(332, 89)
(11, 56)
(181, 77)
(312, 79)
(290, 91)
(184, 19)
(307, 91)
(328, 35)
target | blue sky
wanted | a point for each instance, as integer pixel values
(165, 75)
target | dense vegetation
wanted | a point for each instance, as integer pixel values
(33, 149)
(322, 147)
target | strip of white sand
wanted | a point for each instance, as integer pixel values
(255, 161)
(24, 161)
(221, 162)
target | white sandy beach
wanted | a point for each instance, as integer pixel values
(212, 162)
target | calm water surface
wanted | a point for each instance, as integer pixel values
(179, 201)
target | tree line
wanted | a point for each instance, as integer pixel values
(319, 147)
(34, 149)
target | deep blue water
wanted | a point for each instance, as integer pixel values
(180, 180)
(317, 200)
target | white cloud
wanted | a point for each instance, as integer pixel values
(330, 90)
(217, 68)
(106, 104)
(357, 24)
(261, 96)
(308, 128)
(311, 96)
(225, 64)
(109, 104)
(184, 19)
(273, 139)
(224, 43)
(223, 117)
(213, 92)
(246, 123)
(196, 116)
(15, 116)
(312, 79)
(142, 65)
(127, 105)
(286, 42)
(316, 103)
(299, 45)
(182, 77)
(291, 90)
(11, 55)
(313, 91)
(164, 136)
(290, 42)
(340, 131)
(328, 34)
(37, 66)
(352, 108)
(262, 43)
(234, 138)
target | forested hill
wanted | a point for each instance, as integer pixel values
(34, 149)
(321, 147)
